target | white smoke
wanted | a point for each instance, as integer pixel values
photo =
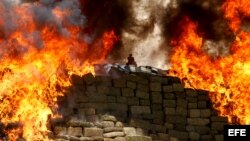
(143, 36)
(216, 49)
(15, 2)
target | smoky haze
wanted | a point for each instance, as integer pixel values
(142, 34)
(146, 27)
(151, 25)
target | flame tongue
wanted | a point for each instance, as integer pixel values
(36, 57)
(226, 77)
(235, 11)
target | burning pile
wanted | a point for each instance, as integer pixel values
(41, 46)
(43, 43)
(227, 77)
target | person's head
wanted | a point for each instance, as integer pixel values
(130, 55)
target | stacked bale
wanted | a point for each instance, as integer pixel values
(137, 106)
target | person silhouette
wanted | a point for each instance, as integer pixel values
(131, 60)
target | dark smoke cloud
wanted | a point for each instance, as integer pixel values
(205, 13)
(103, 16)
(212, 26)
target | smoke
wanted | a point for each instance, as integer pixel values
(216, 49)
(150, 26)
(103, 16)
(142, 34)
(145, 27)
(15, 1)
(44, 15)
(212, 26)
(58, 15)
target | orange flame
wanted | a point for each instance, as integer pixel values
(235, 11)
(226, 78)
(29, 73)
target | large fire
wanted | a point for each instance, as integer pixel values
(226, 77)
(31, 72)
(37, 60)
